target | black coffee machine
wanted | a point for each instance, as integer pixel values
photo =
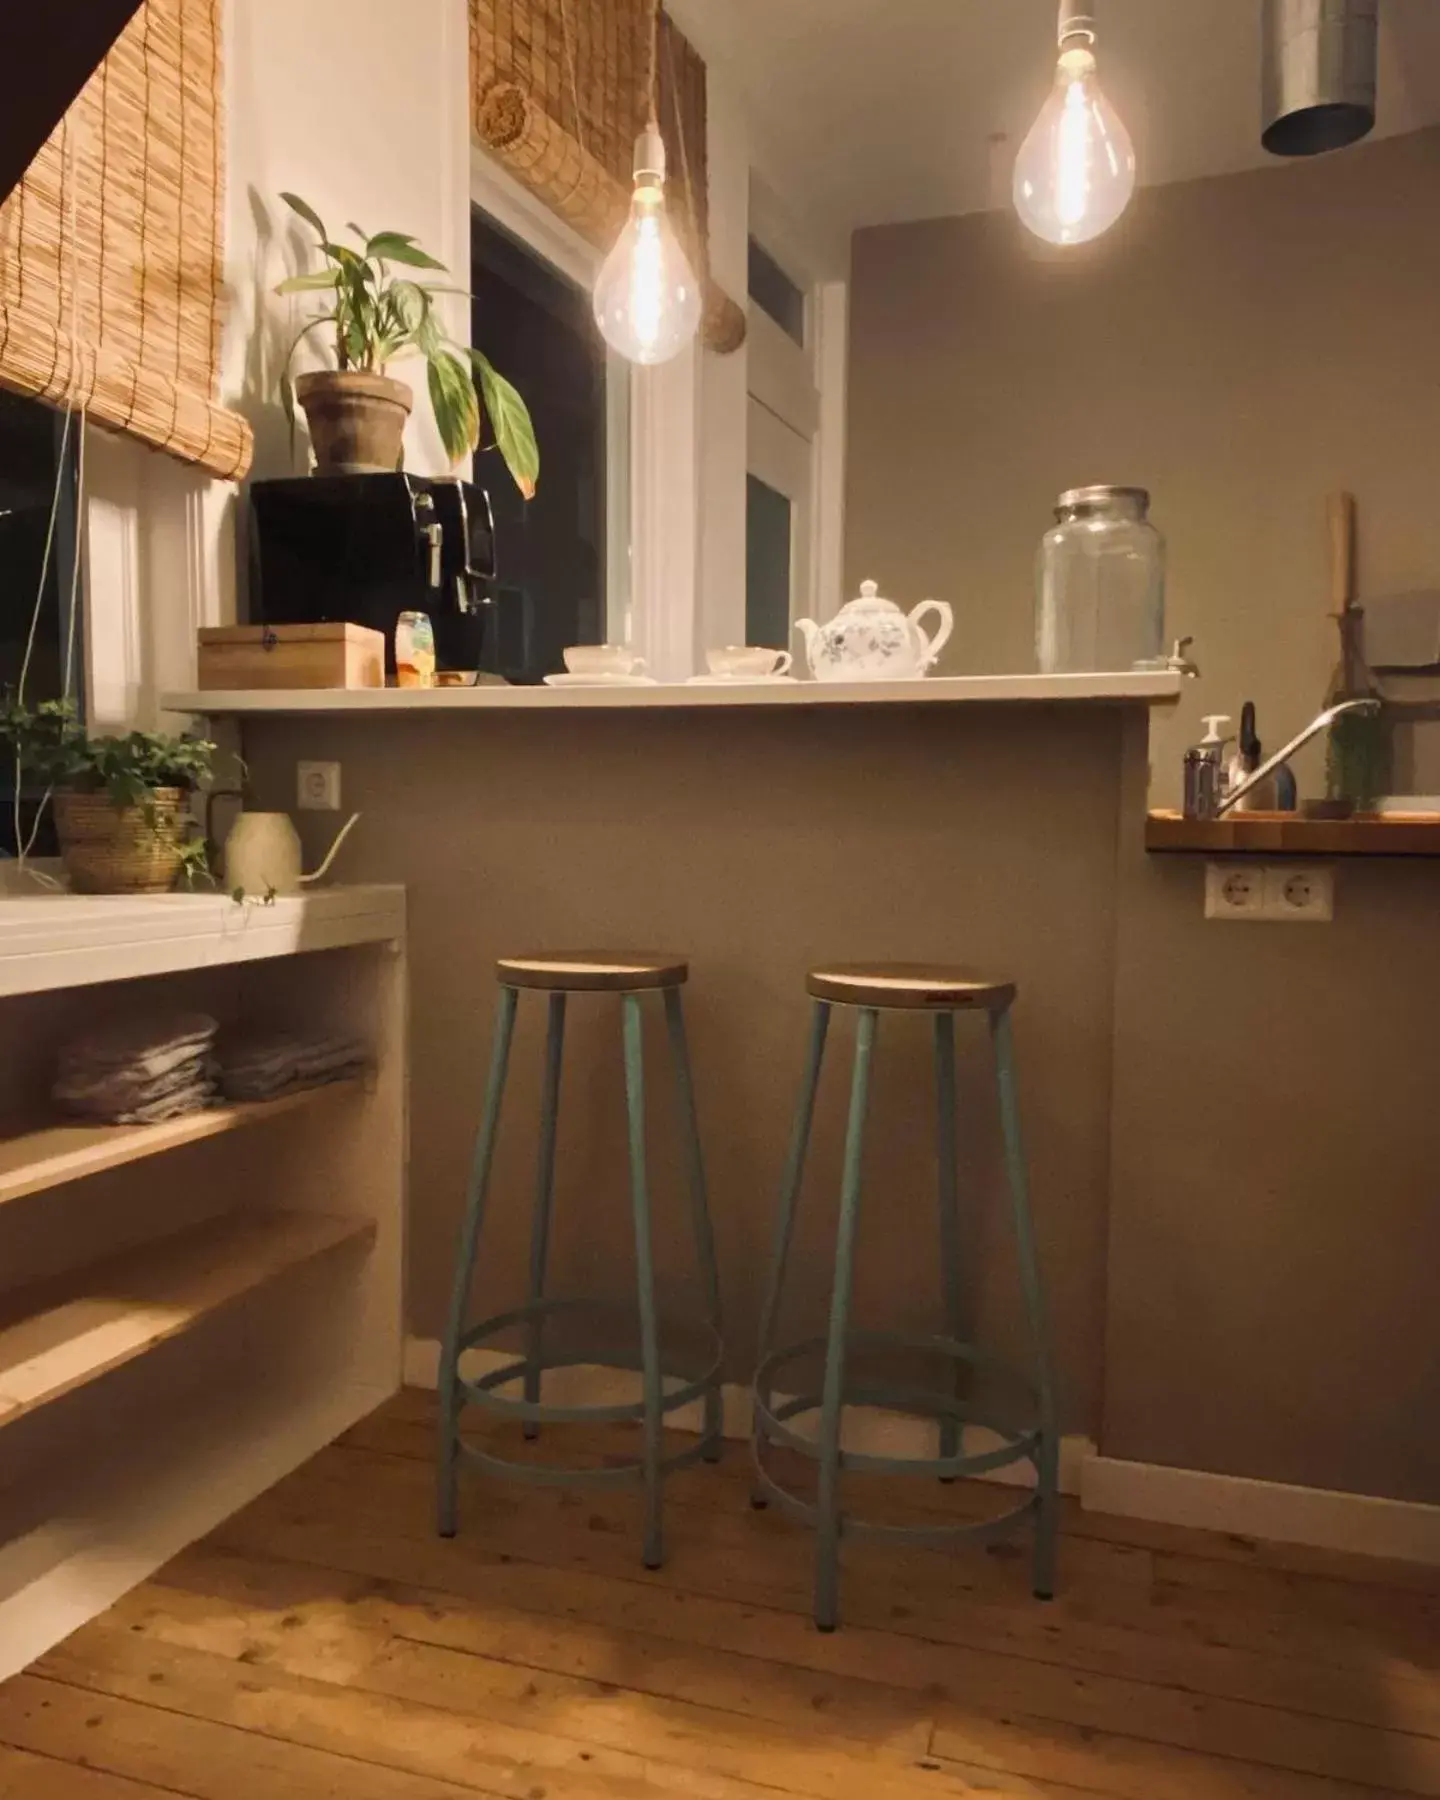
(365, 548)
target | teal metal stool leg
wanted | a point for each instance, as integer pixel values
(654, 1552)
(789, 1195)
(699, 1206)
(544, 1201)
(827, 1558)
(465, 1263)
(1048, 1449)
(947, 1151)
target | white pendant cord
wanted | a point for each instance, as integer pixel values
(568, 38)
(24, 846)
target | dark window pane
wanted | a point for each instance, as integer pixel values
(31, 460)
(537, 329)
(767, 565)
(774, 292)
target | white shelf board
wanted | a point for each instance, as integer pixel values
(80, 1326)
(68, 1150)
(936, 690)
(57, 940)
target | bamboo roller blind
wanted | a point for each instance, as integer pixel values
(558, 92)
(110, 248)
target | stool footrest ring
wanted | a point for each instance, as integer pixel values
(1018, 1443)
(977, 1530)
(480, 1390)
(565, 1475)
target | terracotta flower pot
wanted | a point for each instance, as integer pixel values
(356, 420)
(109, 849)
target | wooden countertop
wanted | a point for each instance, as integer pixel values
(1288, 834)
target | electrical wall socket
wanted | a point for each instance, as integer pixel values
(1304, 892)
(1234, 890)
(317, 786)
(1275, 893)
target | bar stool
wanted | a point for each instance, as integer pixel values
(631, 977)
(940, 992)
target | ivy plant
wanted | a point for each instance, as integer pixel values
(50, 743)
(374, 314)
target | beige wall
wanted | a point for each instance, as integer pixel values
(1240, 346)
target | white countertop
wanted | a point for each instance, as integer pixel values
(55, 940)
(1124, 687)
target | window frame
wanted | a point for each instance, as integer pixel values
(515, 209)
(804, 387)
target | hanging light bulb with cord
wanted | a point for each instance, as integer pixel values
(1076, 170)
(647, 300)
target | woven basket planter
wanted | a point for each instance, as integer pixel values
(109, 849)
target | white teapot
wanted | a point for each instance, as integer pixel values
(870, 639)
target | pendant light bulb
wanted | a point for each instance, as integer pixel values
(647, 300)
(1076, 170)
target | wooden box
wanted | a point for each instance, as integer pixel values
(290, 656)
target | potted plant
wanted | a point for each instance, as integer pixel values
(356, 411)
(119, 801)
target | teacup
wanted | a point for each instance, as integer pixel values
(602, 659)
(747, 662)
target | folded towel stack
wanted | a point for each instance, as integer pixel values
(260, 1065)
(141, 1070)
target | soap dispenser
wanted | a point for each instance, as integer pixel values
(1205, 770)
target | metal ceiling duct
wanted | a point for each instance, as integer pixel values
(1319, 72)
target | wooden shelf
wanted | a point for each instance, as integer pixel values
(1287, 834)
(64, 1333)
(32, 1160)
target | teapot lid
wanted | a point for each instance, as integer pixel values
(870, 596)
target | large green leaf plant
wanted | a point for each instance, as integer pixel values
(376, 314)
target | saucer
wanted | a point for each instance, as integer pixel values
(741, 681)
(600, 680)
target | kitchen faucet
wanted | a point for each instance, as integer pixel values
(1269, 767)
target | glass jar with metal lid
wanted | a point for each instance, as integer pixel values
(1101, 583)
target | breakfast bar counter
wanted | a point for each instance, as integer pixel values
(755, 832)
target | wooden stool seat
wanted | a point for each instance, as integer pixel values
(942, 987)
(593, 971)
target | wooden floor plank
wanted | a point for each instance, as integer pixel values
(1410, 1616)
(312, 1621)
(406, 1427)
(326, 1644)
(24, 1776)
(767, 1559)
(908, 1683)
(494, 1754)
(570, 1601)
(191, 1755)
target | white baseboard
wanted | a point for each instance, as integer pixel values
(866, 1428)
(1365, 1524)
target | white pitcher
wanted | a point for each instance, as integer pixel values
(262, 855)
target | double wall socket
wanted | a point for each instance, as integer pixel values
(1270, 893)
